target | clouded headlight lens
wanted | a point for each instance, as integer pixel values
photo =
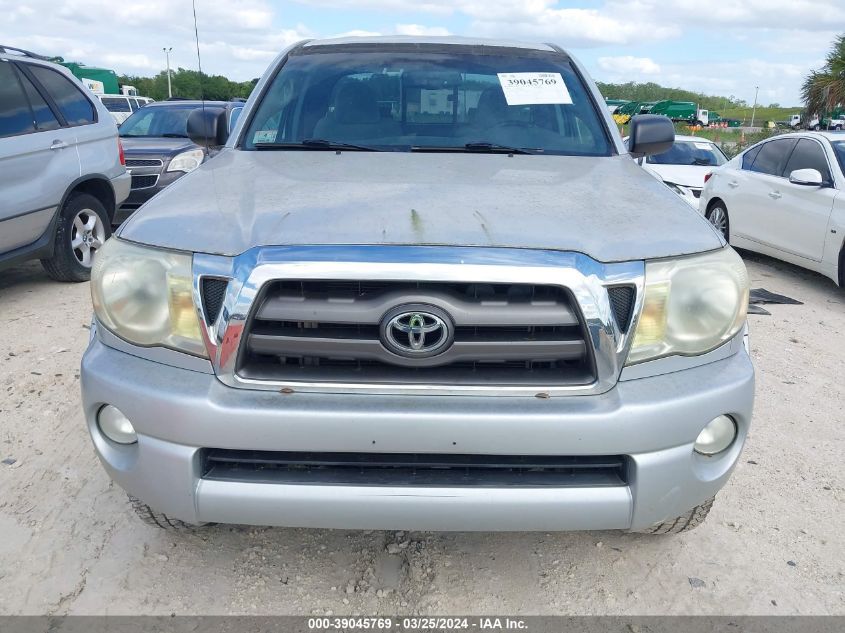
(186, 161)
(692, 305)
(145, 296)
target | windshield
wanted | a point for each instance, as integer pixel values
(701, 153)
(157, 121)
(453, 98)
(116, 104)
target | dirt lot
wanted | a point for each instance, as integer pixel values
(773, 544)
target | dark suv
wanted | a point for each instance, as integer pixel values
(158, 150)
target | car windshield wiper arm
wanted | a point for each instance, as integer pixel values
(318, 144)
(479, 146)
(173, 135)
(485, 146)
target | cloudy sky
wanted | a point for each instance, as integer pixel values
(722, 47)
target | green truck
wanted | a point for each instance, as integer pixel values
(98, 80)
(715, 117)
(684, 111)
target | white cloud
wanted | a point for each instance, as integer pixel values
(627, 65)
(240, 37)
(420, 30)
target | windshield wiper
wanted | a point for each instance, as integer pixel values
(173, 135)
(317, 144)
(482, 147)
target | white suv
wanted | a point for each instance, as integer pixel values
(121, 106)
(62, 172)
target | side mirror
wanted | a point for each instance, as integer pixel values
(650, 134)
(207, 127)
(806, 177)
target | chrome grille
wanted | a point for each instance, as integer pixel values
(329, 331)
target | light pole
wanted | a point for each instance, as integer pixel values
(167, 56)
(754, 109)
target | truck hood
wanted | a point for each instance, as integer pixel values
(607, 207)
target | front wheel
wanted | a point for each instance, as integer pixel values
(718, 217)
(817, 127)
(82, 228)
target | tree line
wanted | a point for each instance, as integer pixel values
(189, 84)
(650, 91)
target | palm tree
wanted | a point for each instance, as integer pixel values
(824, 89)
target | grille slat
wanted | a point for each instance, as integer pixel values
(460, 351)
(367, 309)
(329, 331)
(413, 469)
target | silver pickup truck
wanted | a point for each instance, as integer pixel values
(424, 286)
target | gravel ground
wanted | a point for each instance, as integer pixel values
(773, 543)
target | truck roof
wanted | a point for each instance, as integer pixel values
(416, 39)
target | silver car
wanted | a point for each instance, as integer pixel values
(424, 286)
(62, 173)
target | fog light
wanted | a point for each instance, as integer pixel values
(716, 436)
(116, 426)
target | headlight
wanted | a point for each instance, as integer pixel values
(145, 296)
(677, 189)
(692, 305)
(186, 161)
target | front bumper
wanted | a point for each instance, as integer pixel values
(654, 421)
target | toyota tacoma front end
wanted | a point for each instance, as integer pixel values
(423, 287)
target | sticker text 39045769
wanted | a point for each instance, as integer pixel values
(534, 88)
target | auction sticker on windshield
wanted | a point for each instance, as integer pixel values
(264, 136)
(534, 88)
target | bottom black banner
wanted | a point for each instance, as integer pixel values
(422, 624)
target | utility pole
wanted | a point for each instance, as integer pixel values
(754, 109)
(167, 56)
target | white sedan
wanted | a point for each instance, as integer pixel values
(683, 166)
(785, 197)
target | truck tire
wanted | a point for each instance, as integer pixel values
(82, 228)
(687, 521)
(159, 519)
(817, 127)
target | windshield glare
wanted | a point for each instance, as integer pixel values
(701, 153)
(157, 121)
(400, 99)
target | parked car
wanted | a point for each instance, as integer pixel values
(122, 106)
(784, 198)
(158, 150)
(61, 167)
(423, 286)
(682, 168)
